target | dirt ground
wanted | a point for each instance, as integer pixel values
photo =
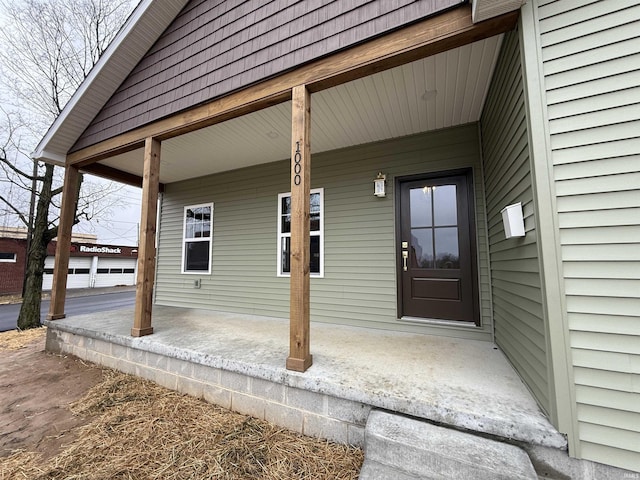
(35, 391)
(62, 418)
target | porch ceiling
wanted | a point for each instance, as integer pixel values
(436, 92)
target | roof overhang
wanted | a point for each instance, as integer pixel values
(433, 93)
(486, 9)
(141, 30)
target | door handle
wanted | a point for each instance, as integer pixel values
(405, 255)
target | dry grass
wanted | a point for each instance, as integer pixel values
(10, 299)
(16, 339)
(140, 430)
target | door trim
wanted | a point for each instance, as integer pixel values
(468, 173)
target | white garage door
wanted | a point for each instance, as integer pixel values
(115, 271)
(79, 272)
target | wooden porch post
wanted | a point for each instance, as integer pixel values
(299, 356)
(147, 246)
(63, 246)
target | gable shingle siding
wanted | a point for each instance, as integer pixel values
(215, 47)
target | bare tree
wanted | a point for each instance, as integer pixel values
(48, 48)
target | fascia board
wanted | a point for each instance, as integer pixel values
(82, 106)
(53, 158)
(486, 9)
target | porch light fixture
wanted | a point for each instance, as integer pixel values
(379, 185)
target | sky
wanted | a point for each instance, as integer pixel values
(122, 225)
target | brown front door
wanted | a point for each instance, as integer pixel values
(436, 248)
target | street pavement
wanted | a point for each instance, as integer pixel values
(74, 305)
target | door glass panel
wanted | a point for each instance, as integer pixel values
(445, 205)
(420, 208)
(447, 251)
(421, 253)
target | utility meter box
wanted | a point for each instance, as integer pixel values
(513, 220)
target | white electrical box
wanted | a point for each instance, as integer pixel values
(513, 220)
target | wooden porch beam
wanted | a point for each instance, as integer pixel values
(299, 352)
(147, 245)
(63, 246)
(433, 35)
(110, 173)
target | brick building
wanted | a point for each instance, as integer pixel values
(12, 262)
(90, 264)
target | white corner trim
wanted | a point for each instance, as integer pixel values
(553, 291)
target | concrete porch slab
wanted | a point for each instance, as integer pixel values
(459, 383)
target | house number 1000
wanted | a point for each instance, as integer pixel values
(297, 168)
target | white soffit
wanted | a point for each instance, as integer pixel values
(143, 27)
(436, 92)
(486, 9)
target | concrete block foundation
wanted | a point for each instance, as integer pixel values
(237, 362)
(311, 413)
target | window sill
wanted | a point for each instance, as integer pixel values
(288, 275)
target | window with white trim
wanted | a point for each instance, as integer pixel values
(7, 257)
(316, 232)
(197, 238)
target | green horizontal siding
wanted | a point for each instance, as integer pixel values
(591, 76)
(515, 268)
(359, 284)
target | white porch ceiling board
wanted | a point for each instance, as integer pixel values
(237, 143)
(234, 144)
(485, 72)
(432, 93)
(437, 92)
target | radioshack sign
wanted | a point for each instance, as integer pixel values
(96, 250)
(86, 249)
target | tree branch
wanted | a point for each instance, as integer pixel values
(5, 161)
(15, 210)
(56, 191)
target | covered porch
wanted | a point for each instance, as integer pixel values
(384, 89)
(236, 361)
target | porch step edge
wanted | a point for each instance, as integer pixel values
(402, 447)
